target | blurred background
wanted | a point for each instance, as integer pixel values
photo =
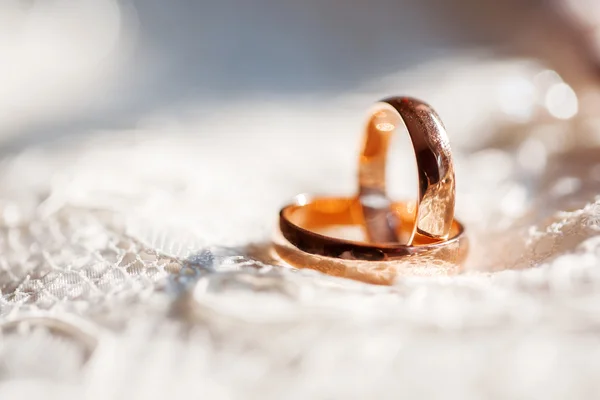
(69, 66)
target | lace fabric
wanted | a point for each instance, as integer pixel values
(133, 264)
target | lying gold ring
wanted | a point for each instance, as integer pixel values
(435, 201)
(299, 243)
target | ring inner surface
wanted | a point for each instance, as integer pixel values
(333, 216)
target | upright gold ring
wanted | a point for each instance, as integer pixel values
(435, 200)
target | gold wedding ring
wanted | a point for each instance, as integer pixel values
(304, 240)
(395, 238)
(435, 200)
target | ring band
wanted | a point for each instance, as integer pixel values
(435, 200)
(299, 244)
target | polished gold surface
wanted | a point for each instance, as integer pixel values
(435, 199)
(299, 244)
